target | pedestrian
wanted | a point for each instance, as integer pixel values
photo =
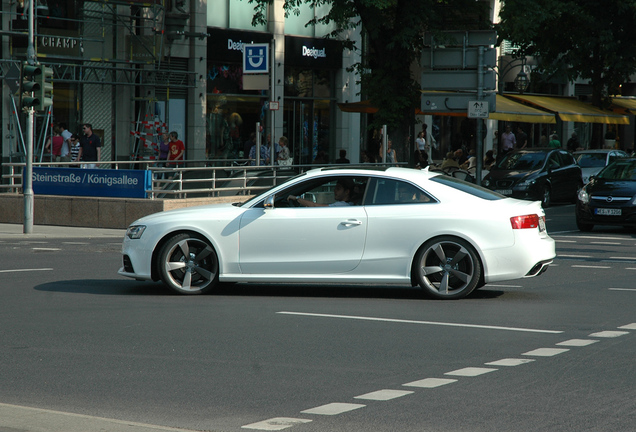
(522, 138)
(343, 157)
(508, 140)
(573, 143)
(54, 144)
(75, 148)
(90, 148)
(176, 153)
(554, 141)
(65, 155)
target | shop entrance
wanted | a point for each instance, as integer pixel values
(307, 125)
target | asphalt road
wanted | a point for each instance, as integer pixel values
(83, 349)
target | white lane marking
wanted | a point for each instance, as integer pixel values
(509, 362)
(25, 270)
(606, 243)
(565, 241)
(622, 289)
(630, 268)
(504, 286)
(631, 326)
(46, 249)
(577, 342)
(624, 258)
(422, 322)
(573, 256)
(277, 423)
(546, 352)
(333, 408)
(609, 334)
(470, 371)
(591, 267)
(430, 382)
(384, 395)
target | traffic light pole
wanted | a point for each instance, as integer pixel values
(27, 185)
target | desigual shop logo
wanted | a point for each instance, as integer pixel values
(314, 52)
(236, 46)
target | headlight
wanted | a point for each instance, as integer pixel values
(583, 196)
(135, 231)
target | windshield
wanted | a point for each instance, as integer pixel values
(619, 170)
(522, 161)
(591, 160)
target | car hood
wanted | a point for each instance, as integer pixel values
(189, 213)
(612, 187)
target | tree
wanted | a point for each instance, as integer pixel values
(584, 39)
(393, 31)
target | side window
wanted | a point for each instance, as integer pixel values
(553, 162)
(388, 191)
(321, 191)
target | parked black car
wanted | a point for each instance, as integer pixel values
(609, 198)
(538, 174)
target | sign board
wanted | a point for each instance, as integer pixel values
(453, 101)
(91, 182)
(461, 38)
(457, 58)
(273, 106)
(456, 80)
(256, 58)
(478, 109)
(255, 81)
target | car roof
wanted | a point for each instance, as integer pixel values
(597, 151)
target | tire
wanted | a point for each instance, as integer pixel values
(546, 198)
(582, 226)
(447, 268)
(188, 265)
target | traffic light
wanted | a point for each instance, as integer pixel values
(30, 85)
(44, 94)
(37, 90)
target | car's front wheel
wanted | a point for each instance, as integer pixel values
(447, 268)
(188, 264)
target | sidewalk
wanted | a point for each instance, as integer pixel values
(16, 231)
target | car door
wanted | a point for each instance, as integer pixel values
(302, 240)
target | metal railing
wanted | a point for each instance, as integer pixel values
(198, 178)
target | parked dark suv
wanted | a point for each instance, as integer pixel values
(538, 174)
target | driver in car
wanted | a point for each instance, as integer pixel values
(342, 194)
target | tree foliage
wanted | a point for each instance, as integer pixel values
(393, 31)
(584, 39)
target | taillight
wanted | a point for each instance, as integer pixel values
(525, 222)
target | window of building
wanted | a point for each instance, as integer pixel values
(235, 14)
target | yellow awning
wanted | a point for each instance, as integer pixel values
(573, 110)
(509, 110)
(625, 102)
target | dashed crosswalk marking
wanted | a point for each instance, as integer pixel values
(384, 395)
(509, 362)
(274, 424)
(470, 371)
(546, 352)
(430, 382)
(609, 334)
(333, 408)
(577, 342)
(629, 326)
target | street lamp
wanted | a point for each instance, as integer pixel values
(521, 81)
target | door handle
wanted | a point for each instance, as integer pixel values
(351, 222)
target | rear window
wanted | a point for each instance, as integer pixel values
(469, 188)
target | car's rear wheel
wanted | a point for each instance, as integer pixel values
(546, 198)
(447, 268)
(583, 226)
(188, 265)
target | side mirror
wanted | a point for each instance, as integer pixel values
(269, 202)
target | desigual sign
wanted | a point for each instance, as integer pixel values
(314, 52)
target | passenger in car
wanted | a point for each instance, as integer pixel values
(342, 194)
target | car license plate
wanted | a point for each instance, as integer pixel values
(541, 224)
(608, 212)
(504, 191)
